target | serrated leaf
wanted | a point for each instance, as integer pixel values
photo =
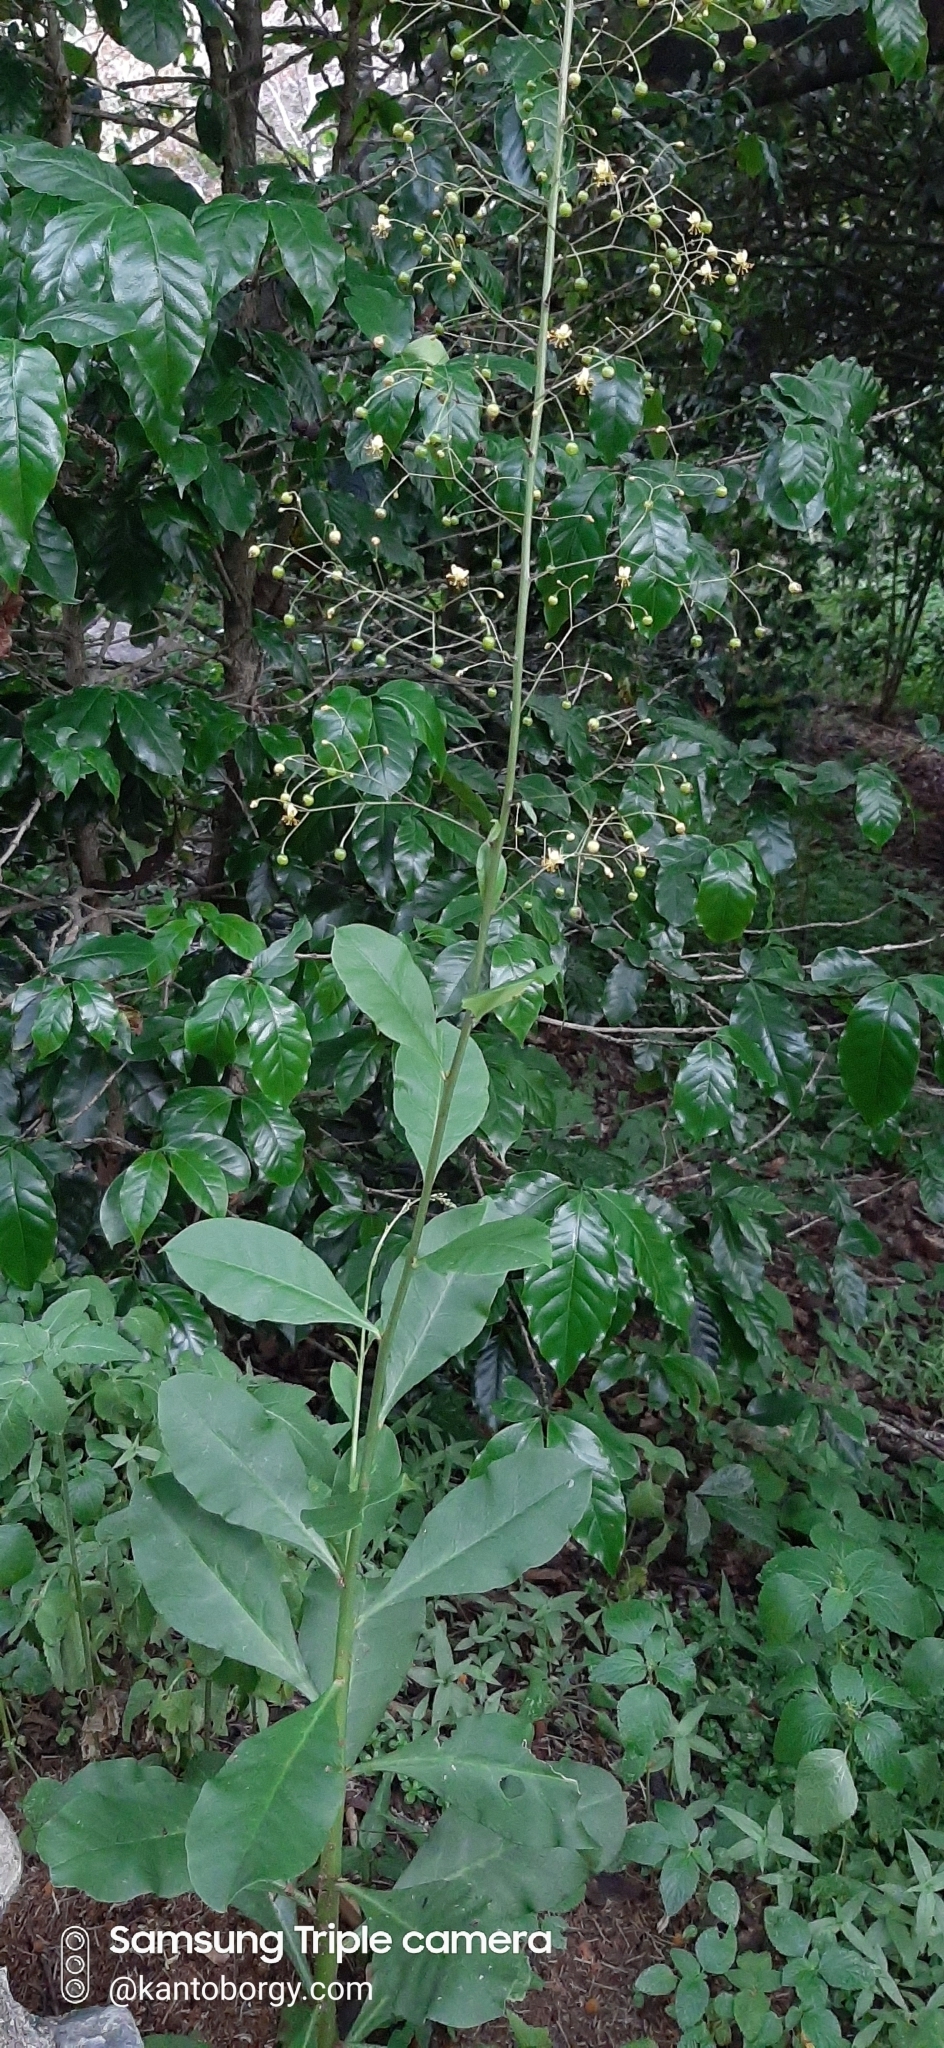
(570, 1303)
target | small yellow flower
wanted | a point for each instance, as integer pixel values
(553, 860)
(624, 573)
(561, 334)
(583, 382)
(457, 576)
(603, 171)
(741, 261)
(706, 272)
(376, 444)
(381, 227)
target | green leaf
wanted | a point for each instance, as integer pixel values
(310, 255)
(27, 1218)
(200, 1177)
(602, 1530)
(922, 1670)
(804, 462)
(141, 1192)
(274, 1141)
(238, 1461)
(485, 1533)
(51, 563)
(384, 1649)
(260, 1274)
(154, 31)
(879, 1051)
(877, 806)
(265, 1817)
(491, 1247)
(419, 1078)
(726, 897)
(157, 271)
(52, 1021)
(570, 1304)
(573, 542)
(487, 1772)
(655, 540)
(212, 1029)
(279, 1044)
(660, 1269)
(232, 234)
(807, 1720)
(617, 405)
(83, 325)
(120, 1832)
(32, 445)
(214, 1584)
(228, 493)
(18, 1554)
(75, 174)
(824, 1794)
(442, 1312)
(770, 1022)
(383, 980)
(381, 310)
(148, 732)
(705, 1091)
(902, 37)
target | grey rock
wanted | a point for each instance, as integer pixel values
(18, 2029)
(11, 1864)
(106, 2027)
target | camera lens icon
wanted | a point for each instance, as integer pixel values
(74, 1965)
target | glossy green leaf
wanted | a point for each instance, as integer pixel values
(879, 1051)
(260, 1274)
(573, 542)
(726, 896)
(442, 1313)
(148, 732)
(769, 1022)
(157, 270)
(83, 324)
(655, 539)
(32, 445)
(51, 563)
(52, 1021)
(498, 1247)
(213, 1583)
(570, 1303)
(141, 1193)
(419, 1085)
(705, 1091)
(120, 1832)
(279, 1044)
(27, 1218)
(310, 255)
(265, 1817)
(212, 1028)
(877, 806)
(660, 1268)
(617, 405)
(237, 1461)
(274, 1141)
(154, 31)
(76, 174)
(200, 1177)
(902, 37)
(488, 1531)
(232, 234)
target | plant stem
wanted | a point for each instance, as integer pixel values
(74, 1563)
(331, 1861)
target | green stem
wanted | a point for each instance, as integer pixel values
(331, 1861)
(74, 1563)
